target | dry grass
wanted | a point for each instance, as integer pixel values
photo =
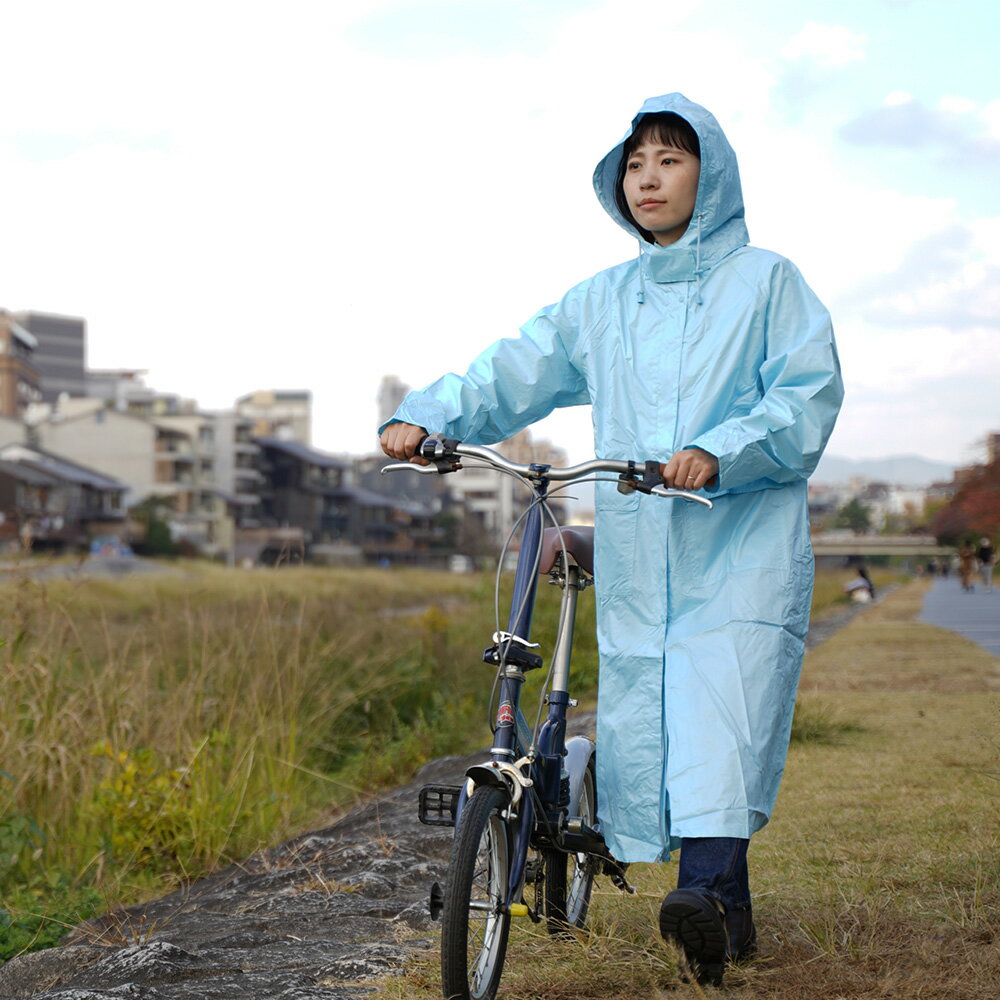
(155, 727)
(879, 875)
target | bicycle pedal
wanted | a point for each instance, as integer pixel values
(438, 804)
(616, 869)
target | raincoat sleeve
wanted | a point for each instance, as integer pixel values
(513, 383)
(781, 439)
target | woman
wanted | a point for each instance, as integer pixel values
(716, 359)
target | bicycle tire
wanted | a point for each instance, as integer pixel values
(474, 938)
(569, 878)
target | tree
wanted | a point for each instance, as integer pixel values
(152, 513)
(973, 510)
(854, 515)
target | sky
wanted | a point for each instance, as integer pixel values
(305, 194)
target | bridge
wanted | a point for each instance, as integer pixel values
(835, 543)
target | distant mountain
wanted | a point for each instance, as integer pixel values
(902, 470)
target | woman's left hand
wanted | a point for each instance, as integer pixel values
(691, 469)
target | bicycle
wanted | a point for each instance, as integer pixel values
(527, 817)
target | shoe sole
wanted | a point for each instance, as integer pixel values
(701, 935)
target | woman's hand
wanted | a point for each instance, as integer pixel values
(691, 469)
(401, 441)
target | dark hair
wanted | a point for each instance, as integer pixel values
(667, 129)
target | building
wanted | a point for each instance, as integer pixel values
(301, 488)
(125, 390)
(20, 384)
(493, 502)
(61, 343)
(237, 467)
(119, 444)
(49, 502)
(171, 458)
(184, 471)
(284, 414)
(391, 392)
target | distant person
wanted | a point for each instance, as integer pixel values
(967, 566)
(987, 560)
(715, 359)
(860, 589)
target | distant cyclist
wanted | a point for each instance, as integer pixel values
(716, 359)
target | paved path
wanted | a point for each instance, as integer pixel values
(975, 615)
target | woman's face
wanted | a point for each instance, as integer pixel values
(660, 186)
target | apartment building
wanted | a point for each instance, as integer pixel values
(20, 383)
(283, 414)
(120, 445)
(60, 346)
(494, 501)
(238, 476)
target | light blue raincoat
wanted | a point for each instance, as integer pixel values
(702, 614)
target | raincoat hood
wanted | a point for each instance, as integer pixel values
(717, 227)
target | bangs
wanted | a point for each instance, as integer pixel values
(665, 129)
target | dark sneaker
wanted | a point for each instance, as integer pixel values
(694, 921)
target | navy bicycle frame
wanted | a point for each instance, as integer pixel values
(512, 735)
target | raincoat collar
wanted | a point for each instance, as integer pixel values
(717, 227)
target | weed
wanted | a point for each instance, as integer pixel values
(819, 722)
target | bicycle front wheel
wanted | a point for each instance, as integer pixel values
(475, 923)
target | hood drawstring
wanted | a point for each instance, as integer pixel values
(697, 260)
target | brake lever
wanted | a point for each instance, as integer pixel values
(439, 452)
(670, 494)
(424, 470)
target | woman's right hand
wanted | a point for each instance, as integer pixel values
(401, 441)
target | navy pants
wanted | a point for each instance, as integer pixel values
(719, 866)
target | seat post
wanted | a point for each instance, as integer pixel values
(572, 584)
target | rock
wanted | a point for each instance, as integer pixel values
(31, 974)
(312, 919)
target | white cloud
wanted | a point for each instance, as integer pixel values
(991, 116)
(957, 105)
(826, 44)
(297, 211)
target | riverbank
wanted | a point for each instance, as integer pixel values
(877, 877)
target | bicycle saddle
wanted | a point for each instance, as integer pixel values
(579, 542)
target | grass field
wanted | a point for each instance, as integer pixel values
(155, 728)
(879, 875)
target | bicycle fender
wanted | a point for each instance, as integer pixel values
(579, 750)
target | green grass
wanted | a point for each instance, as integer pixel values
(155, 728)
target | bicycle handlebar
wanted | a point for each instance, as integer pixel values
(444, 456)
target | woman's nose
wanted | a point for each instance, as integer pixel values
(648, 179)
